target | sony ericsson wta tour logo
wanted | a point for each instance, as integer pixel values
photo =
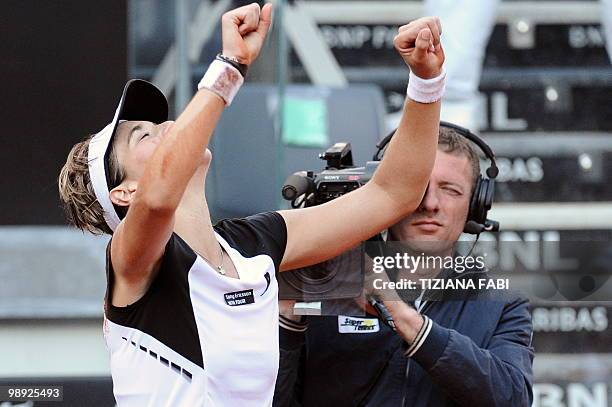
(237, 298)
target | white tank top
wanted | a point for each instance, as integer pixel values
(198, 338)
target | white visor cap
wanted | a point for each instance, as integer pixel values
(141, 100)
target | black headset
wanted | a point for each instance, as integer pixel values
(482, 197)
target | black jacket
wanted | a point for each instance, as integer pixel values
(478, 353)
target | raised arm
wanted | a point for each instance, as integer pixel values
(318, 233)
(139, 241)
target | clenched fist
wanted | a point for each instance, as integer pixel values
(419, 45)
(244, 31)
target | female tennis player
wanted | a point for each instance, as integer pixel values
(191, 309)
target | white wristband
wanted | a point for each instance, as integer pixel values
(222, 79)
(426, 90)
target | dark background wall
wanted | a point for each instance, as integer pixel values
(63, 65)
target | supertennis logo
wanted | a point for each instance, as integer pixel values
(357, 325)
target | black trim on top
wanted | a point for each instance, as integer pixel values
(175, 367)
(264, 233)
(165, 311)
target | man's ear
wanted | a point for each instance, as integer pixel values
(123, 194)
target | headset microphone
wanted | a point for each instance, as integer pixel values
(473, 227)
(476, 228)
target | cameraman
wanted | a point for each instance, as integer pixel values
(444, 353)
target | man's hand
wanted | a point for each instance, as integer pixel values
(419, 45)
(244, 31)
(407, 320)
